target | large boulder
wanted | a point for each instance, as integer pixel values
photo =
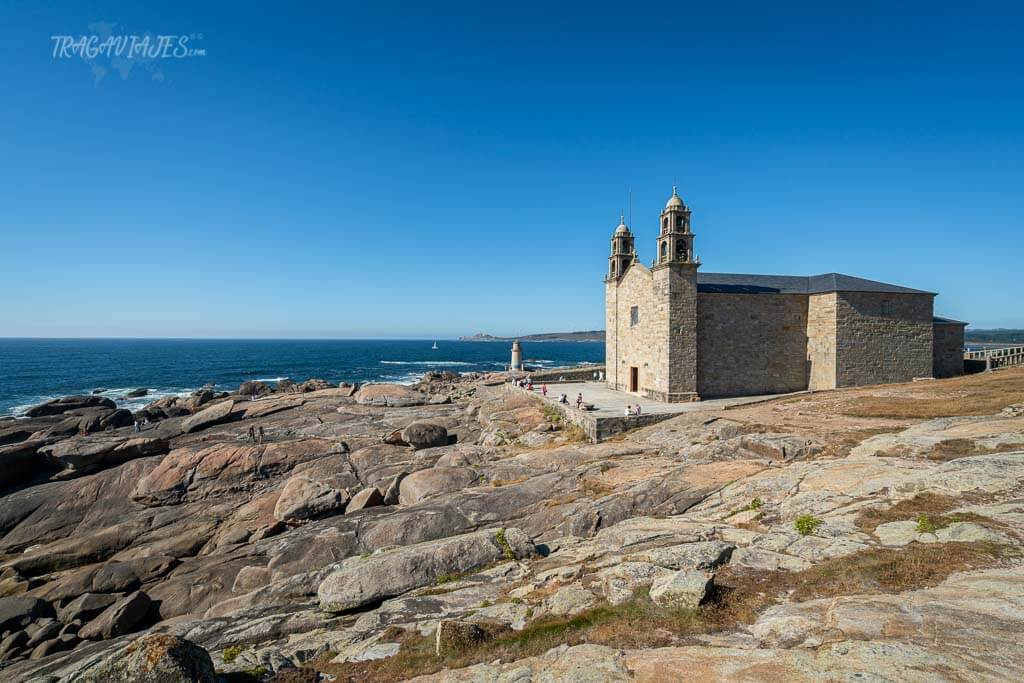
(115, 577)
(367, 498)
(253, 388)
(168, 406)
(207, 417)
(425, 435)
(315, 385)
(58, 406)
(303, 499)
(85, 451)
(154, 658)
(360, 581)
(434, 481)
(19, 462)
(394, 395)
(684, 589)
(85, 607)
(120, 618)
(19, 611)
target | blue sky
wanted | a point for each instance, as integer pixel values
(436, 169)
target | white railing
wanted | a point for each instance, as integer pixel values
(998, 358)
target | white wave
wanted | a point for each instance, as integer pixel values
(427, 363)
(270, 379)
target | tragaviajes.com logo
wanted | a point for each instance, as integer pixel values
(104, 49)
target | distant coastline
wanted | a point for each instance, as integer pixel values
(585, 336)
(996, 336)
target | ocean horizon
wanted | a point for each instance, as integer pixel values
(37, 369)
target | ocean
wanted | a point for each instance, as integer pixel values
(36, 370)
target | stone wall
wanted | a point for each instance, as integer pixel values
(821, 341)
(882, 338)
(751, 344)
(948, 349)
(630, 345)
(675, 333)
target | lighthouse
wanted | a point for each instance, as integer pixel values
(517, 357)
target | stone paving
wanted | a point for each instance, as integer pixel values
(610, 403)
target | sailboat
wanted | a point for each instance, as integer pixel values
(434, 347)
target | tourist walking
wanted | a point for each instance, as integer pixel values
(260, 442)
(252, 434)
(544, 390)
(579, 400)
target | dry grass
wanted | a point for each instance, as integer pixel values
(894, 570)
(972, 395)
(840, 444)
(951, 449)
(737, 598)
(932, 506)
(595, 488)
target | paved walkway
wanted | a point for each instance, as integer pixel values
(610, 403)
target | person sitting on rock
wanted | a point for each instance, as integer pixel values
(637, 410)
(629, 410)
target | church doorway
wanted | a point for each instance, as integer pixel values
(634, 379)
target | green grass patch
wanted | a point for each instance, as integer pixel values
(806, 525)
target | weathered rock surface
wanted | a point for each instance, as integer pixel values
(207, 417)
(151, 659)
(425, 435)
(62, 405)
(303, 499)
(362, 580)
(435, 481)
(120, 618)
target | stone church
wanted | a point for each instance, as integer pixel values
(674, 333)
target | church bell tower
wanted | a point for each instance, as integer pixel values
(623, 251)
(675, 240)
(674, 278)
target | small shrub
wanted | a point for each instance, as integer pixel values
(486, 603)
(231, 653)
(806, 525)
(503, 543)
(446, 578)
(925, 525)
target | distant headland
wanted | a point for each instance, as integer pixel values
(587, 336)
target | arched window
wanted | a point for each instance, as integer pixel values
(664, 250)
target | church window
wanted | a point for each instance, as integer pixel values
(634, 315)
(664, 222)
(664, 250)
(679, 221)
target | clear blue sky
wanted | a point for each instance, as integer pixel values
(435, 169)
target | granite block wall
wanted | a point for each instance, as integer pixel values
(882, 337)
(751, 344)
(948, 349)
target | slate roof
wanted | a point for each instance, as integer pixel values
(947, 321)
(738, 283)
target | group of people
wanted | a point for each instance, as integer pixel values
(598, 375)
(256, 436)
(633, 411)
(139, 424)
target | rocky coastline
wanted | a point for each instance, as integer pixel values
(454, 530)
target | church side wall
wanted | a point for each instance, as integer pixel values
(882, 338)
(636, 345)
(948, 349)
(751, 343)
(821, 341)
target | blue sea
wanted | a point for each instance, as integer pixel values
(36, 370)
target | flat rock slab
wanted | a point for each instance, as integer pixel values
(360, 581)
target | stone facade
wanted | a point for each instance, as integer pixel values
(882, 338)
(751, 344)
(948, 355)
(674, 334)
